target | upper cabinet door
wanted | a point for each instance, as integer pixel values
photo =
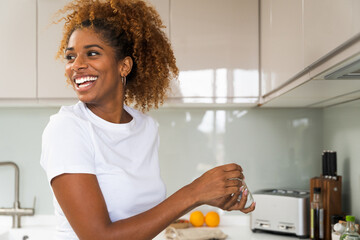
(18, 54)
(51, 71)
(282, 42)
(163, 8)
(328, 24)
(216, 46)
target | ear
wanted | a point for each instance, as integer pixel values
(125, 65)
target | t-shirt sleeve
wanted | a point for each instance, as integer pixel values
(67, 147)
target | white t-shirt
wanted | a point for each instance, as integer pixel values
(124, 158)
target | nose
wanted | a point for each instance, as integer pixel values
(79, 63)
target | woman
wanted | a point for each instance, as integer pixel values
(100, 155)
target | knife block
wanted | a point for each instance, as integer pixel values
(331, 199)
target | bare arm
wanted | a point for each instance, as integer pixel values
(80, 197)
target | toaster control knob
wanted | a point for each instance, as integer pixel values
(282, 227)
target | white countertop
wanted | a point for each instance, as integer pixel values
(237, 227)
(244, 233)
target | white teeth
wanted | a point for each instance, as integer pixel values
(84, 85)
(85, 79)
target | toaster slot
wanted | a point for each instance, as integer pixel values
(262, 224)
(286, 227)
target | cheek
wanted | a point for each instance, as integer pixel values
(68, 74)
(106, 70)
(67, 70)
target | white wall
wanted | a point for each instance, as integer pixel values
(342, 133)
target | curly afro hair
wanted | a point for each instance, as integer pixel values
(133, 28)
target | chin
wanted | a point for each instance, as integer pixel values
(84, 98)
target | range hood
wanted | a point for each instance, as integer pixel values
(331, 80)
(347, 70)
(338, 82)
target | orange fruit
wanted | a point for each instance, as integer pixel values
(197, 218)
(212, 219)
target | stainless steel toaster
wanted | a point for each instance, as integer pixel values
(282, 211)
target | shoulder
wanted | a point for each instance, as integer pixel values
(141, 118)
(67, 144)
(69, 119)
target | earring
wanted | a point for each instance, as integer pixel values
(123, 79)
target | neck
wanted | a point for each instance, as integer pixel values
(113, 114)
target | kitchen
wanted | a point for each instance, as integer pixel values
(279, 143)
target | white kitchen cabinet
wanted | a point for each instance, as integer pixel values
(216, 46)
(18, 42)
(215, 42)
(327, 25)
(51, 80)
(282, 42)
(294, 63)
(355, 17)
(328, 29)
(163, 8)
(51, 72)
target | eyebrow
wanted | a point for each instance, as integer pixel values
(86, 47)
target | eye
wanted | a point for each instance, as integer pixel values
(69, 57)
(92, 53)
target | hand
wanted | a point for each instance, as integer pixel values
(217, 183)
(231, 202)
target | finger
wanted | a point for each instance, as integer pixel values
(243, 200)
(220, 202)
(231, 190)
(240, 200)
(235, 175)
(249, 209)
(231, 167)
(233, 183)
(244, 210)
(232, 202)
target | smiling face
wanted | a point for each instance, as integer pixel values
(92, 68)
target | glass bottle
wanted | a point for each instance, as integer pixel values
(350, 231)
(250, 198)
(316, 216)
